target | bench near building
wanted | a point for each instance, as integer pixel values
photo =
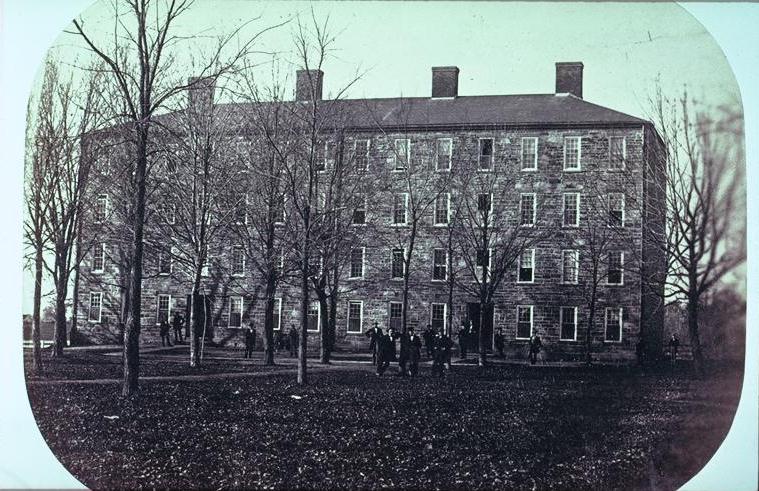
(556, 153)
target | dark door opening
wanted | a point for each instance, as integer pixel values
(473, 314)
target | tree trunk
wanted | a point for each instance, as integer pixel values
(61, 291)
(132, 331)
(324, 315)
(73, 335)
(589, 330)
(695, 339)
(302, 378)
(482, 358)
(196, 328)
(268, 336)
(36, 348)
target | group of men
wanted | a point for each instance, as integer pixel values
(384, 351)
(283, 341)
(177, 323)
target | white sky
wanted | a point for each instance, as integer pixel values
(501, 48)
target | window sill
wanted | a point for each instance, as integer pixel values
(567, 340)
(530, 169)
(358, 224)
(572, 170)
(355, 278)
(527, 225)
(440, 225)
(439, 281)
(614, 284)
(612, 341)
(526, 282)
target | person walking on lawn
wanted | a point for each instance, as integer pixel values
(293, 335)
(429, 340)
(415, 345)
(164, 330)
(176, 324)
(250, 341)
(384, 352)
(535, 346)
(498, 340)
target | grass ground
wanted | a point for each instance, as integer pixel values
(505, 426)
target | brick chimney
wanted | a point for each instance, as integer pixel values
(200, 93)
(445, 81)
(569, 78)
(308, 84)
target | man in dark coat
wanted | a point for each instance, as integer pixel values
(498, 340)
(392, 351)
(674, 344)
(164, 330)
(373, 334)
(429, 340)
(250, 341)
(176, 323)
(463, 337)
(535, 346)
(441, 352)
(384, 353)
(293, 338)
(415, 345)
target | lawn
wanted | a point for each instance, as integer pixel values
(506, 426)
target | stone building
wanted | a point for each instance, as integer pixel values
(584, 181)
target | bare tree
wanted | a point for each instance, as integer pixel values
(141, 64)
(704, 237)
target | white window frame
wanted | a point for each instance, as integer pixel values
(284, 212)
(361, 317)
(229, 319)
(490, 217)
(624, 153)
(366, 155)
(534, 209)
(437, 154)
(390, 313)
(534, 165)
(244, 220)
(534, 266)
(161, 254)
(100, 308)
(101, 246)
(104, 199)
(575, 255)
(579, 154)
(606, 324)
(396, 155)
(561, 322)
(622, 201)
(278, 308)
(445, 251)
(365, 208)
(318, 317)
(158, 308)
(621, 268)
(242, 252)
(532, 321)
(405, 210)
(564, 210)
(445, 314)
(403, 262)
(479, 154)
(447, 211)
(363, 261)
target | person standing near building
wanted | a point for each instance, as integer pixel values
(535, 346)
(384, 353)
(498, 340)
(438, 354)
(250, 341)
(373, 334)
(429, 340)
(405, 354)
(164, 330)
(463, 338)
(415, 345)
(177, 325)
(674, 345)
(293, 338)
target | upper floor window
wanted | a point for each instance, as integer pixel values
(530, 153)
(617, 209)
(279, 210)
(164, 262)
(572, 152)
(241, 210)
(327, 157)
(402, 153)
(442, 209)
(570, 262)
(571, 209)
(101, 208)
(359, 212)
(98, 257)
(527, 210)
(486, 154)
(615, 264)
(357, 263)
(485, 204)
(398, 264)
(439, 264)
(483, 261)
(444, 150)
(526, 266)
(617, 152)
(400, 205)
(238, 261)
(361, 154)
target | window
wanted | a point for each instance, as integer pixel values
(277, 314)
(616, 210)
(235, 311)
(241, 210)
(279, 210)
(530, 153)
(613, 324)
(527, 207)
(326, 156)
(101, 208)
(617, 152)
(485, 204)
(568, 322)
(439, 264)
(398, 263)
(355, 316)
(484, 257)
(402, 153)
(238, 261)
(572, 153)
(526, 266)
(442, 209)
(163, 311)
(616, 273)
(361, 154)
(164, 262)
(98, 257)
(396, 315)
(96, 306)
(314, 317)
(400, 204)
(524, 321)
(486, 154)
(569, 266)
(170, 214)
(571, 209)
(357, 263)
(444, 150)
(438, 317)
(359, 212)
